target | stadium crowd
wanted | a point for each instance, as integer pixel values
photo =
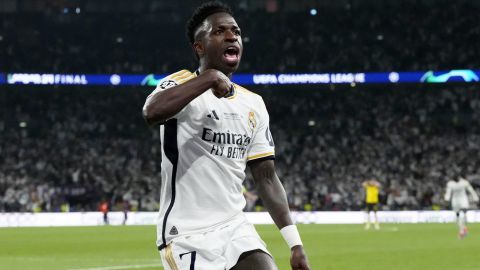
(412, 140)
(76, 147)
(370, 36)
(70, 148)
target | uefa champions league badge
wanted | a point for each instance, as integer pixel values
(252, 123)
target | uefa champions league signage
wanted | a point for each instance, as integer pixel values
(458, 75)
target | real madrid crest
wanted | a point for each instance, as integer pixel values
(252, 123)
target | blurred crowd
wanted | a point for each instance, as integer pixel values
(68, 149)
(412, 139)
(383, 36)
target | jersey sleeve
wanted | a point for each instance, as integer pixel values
(169, 82)
(262, 146)
(472, 192)
(448, 194)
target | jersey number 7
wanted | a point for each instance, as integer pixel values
(192, 258)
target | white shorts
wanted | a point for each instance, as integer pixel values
(218, 249)
(460, 204)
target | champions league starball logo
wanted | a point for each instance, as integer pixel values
(167, 84)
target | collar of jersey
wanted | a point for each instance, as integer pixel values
(234, 94)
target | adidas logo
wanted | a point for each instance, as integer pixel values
(174, 231)
(213, 115)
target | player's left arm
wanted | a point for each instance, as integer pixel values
(448, 193)
(472, 192)
(272, 193)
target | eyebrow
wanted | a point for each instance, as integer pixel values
(222, 26)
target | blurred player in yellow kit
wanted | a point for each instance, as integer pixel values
(372, 189)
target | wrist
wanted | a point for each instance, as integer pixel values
(210, 78)
(291, 236)
(211, 73)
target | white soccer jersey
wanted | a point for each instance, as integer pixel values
(205, 149)
(457, 193)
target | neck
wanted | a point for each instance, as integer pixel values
(204, 67)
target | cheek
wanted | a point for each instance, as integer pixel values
(214, 49)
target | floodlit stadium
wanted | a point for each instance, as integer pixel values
(131, 128)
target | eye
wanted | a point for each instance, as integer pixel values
(218, 32)
(238, 33)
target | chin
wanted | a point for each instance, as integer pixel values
(227, 69)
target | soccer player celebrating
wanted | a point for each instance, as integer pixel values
(372, 189)
(457, 194)
(211, 129)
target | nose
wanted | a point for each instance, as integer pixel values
(230, 36)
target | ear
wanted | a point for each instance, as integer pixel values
(198, 48)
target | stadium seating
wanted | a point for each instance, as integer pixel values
(366, 36)
(77, 145)
(74, 146)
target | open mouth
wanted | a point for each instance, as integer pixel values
(231, 55)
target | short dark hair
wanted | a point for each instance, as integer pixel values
(201, 13)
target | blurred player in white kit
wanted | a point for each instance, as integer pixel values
(457, 194)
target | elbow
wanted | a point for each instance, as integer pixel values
(151, 115)
(146, 115)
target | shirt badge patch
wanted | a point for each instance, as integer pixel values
(167, 84)
(252, 123)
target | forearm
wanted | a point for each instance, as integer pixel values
(473, 193)
(272, 193)
(165, 104)
(447, 195)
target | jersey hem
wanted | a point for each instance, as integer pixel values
(161, 245)
(254, 157)
(261, 159)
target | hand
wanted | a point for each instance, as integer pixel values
(298, 260)
(222, 84)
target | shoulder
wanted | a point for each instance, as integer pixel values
(247, 92)
(252, 98)
(176, 78)
(465, 182)
(180, 75)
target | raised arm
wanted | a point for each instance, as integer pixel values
(274, 198)
(364, 184)
(162, 105)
